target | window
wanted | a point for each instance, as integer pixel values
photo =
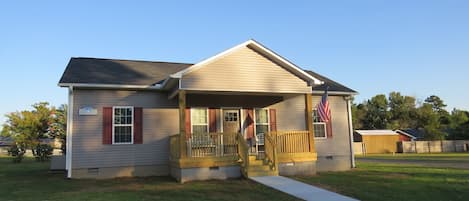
(122, 125)
(231, 116)
(262, 121)
(318, 125)
(199, 119)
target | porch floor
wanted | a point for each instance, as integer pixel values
(300, 189)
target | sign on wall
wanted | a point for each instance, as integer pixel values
(87, 110)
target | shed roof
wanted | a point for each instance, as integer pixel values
(376, 132)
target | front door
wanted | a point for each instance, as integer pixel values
(231, 121)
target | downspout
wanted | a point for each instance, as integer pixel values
(68, 155)
(349, 112)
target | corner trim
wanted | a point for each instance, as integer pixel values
(68, 155)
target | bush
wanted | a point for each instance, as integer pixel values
(43, 152)
(17, 152)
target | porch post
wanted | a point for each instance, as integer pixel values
(182, 123)
(309, 121)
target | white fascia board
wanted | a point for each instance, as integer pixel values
(245, 44)
(119, 86)
(291, 65)
(208, 60)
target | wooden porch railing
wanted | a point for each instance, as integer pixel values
(271, 151)
(292, 141)
(212, 144)
(243, 152)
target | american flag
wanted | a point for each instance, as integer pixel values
(324, 111)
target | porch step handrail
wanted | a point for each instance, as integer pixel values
(271, 155)
(243, 152)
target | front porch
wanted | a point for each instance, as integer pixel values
(199, 153)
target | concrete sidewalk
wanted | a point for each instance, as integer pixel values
(300, 189)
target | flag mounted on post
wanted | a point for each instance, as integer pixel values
(324, 111)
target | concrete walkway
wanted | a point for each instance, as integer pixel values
(300, 189)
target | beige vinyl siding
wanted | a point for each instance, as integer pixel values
(339, 145)
(244, 70)
(160, 117)
(291, 113)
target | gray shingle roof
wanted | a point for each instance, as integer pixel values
(113, 71)
(81, 70)
(333, 86)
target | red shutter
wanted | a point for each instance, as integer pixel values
(329, 128)
(273, 119)
(138, 125)
(188, 122)
(107, 125)
(249, 123)
(212, 120)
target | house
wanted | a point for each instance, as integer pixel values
(246, 111)
(414, 134)
(377, 141)
(404, 136)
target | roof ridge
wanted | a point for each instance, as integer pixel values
(134, 60)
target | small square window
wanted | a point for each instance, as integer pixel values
(231, 116)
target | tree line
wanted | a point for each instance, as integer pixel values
(398, 111)
(28, 128)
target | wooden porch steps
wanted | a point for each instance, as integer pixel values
(258, 167)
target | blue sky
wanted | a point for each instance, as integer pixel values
(419, 48)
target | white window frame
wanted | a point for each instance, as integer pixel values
(319, 123)
(114, 125)
(192, 118)
(256, 123)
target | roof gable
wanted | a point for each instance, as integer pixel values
(244, 69)
(262, 50)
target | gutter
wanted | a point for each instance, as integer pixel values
(114, 86)
(335, 93)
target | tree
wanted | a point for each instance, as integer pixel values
(58, 125)
(26, 128)
(402, 111)
(429, 120)
(377, 114)
(358, 115)
(439, 106)
(459, 126)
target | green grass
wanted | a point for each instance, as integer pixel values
(444, 157)
(385, 182)
(31, 180)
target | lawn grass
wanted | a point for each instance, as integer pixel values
(386, 182)
(30, 180)
(444, 157)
